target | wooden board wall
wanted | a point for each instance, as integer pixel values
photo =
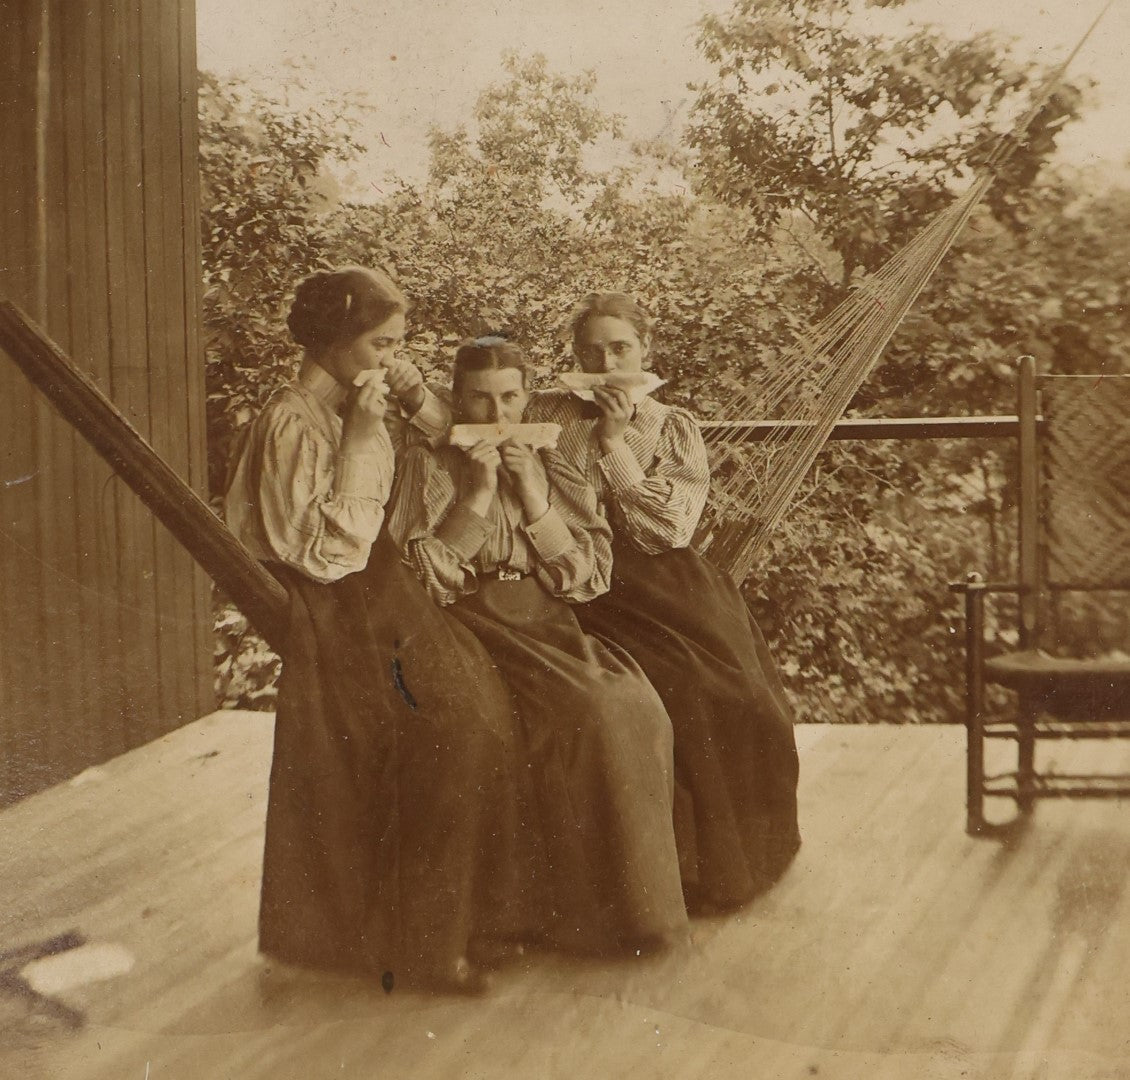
(105, 622)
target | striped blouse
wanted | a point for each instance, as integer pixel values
(656, 489)
(293, 496)
(449, 547)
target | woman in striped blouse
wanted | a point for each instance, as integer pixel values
(392, 814)
(681, 618)
(509, 540)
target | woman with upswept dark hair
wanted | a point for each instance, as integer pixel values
(681, 618)
(392, 816)
(507, 538)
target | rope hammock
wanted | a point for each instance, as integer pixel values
(815, 380)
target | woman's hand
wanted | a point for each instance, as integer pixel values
(480, 479)
(405, 383)
(525, 471)
(365, 412)
(617, 411)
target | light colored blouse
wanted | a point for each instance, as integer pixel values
(654, 490)
(449, 547)
(294, 497)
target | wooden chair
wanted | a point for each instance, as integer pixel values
(1074, 546)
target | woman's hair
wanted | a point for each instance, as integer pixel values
(615, 305)
(490, 353)
(335, 306)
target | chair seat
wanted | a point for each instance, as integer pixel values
(1065, 686)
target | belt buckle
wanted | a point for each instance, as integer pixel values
(509, 575)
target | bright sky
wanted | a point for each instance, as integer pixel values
(422, 62)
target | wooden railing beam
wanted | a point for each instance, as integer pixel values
(872, 429)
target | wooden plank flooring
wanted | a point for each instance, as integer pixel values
(896, 946)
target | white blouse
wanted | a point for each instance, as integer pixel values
(294, 497)
(656, 488)
(448, 546)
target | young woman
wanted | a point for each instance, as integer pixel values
(508, 539)
(680, 618)
(392, 812)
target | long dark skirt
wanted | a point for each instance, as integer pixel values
(685, 623)
(600, 767)
(392, 815)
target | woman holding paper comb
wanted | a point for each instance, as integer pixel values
(509, 539)
(682, 619)
(392, 817)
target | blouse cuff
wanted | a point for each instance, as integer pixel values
(464, 532)
(432, 418)
(367, 475)
(549, 535)
(621, 470)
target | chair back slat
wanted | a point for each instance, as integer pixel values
(1085, 466)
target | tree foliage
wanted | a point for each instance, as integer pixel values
(816, 150)
(264, 224)
(861, 132)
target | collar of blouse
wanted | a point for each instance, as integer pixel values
(320, 384)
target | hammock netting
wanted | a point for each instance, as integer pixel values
(808, 391)
(812, 383)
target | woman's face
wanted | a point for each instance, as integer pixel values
(375, 348)
(495, 396)
(606, 343)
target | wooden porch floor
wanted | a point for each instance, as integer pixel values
(896, 946)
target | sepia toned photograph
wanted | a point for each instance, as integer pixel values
(552, 541)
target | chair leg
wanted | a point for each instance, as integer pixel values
(1025, 755)
(974, 780)
(974, 713)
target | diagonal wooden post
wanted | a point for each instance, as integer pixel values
(256, 592)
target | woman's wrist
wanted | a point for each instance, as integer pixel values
(413, 400)
(535, 507)
(478, 501)
(612, 443)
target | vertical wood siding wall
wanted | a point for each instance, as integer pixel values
(104, 620)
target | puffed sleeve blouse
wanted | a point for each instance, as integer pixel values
(655, 488)
(448, 546)
(294, 497)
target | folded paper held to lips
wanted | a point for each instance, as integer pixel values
(535, 436)
(363, 378)
(638, 384)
